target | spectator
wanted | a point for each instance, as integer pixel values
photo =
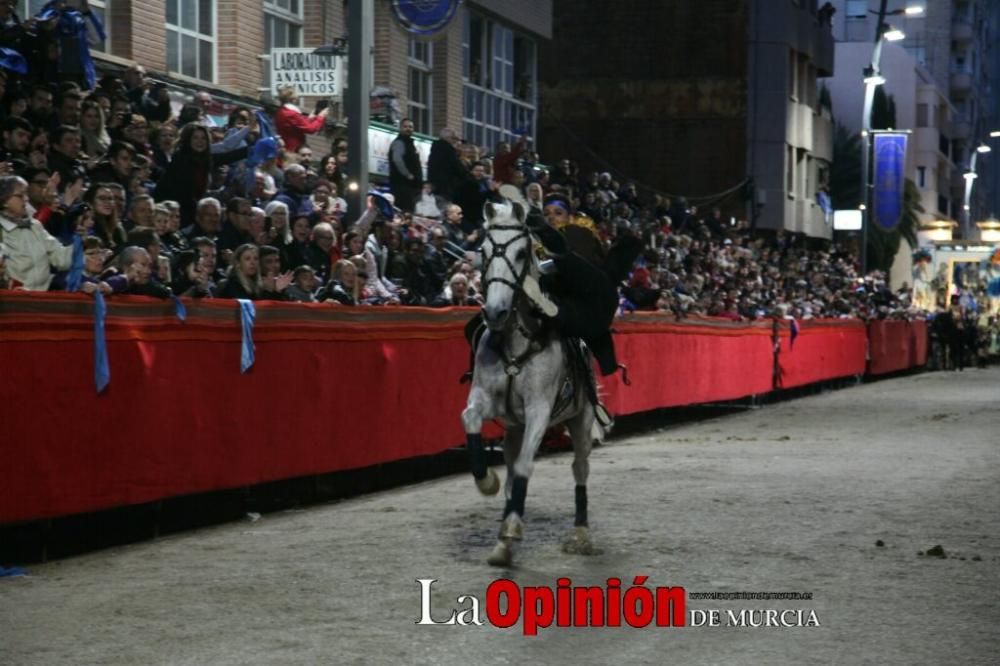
(64, 153)
(244, 281)
(298, 251)
(236, 227)
(473, 195)
(303, 285)
(94, 136)
(140, 212)
(16, 139)
(187, 177)
(41, 193)
(445, 170)
(324, 250)
(295, 195)
(505, 160)
(207, 221)
(291, 124)
(376, 256)
(344, 287)
(107, 223)
(29, 251)
(137, 267)
(404, 167)
(278, 230)
(458, 293)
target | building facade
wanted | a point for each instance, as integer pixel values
(695, 99)
(479, 76)
(943, 77)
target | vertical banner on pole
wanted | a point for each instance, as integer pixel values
(890, 173)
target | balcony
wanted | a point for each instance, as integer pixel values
(961, 83)
(962, 32)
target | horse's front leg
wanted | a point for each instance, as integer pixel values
(536, 419)
(479, 407)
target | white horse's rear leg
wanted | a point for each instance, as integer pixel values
(581, 431)
(477, 408)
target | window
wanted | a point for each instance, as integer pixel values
(419, 98)
(857, 9)
(921, 177)
(922, 115)
(191, 38)
(98, 7)
(790, 171)
(919, 54)
(282, 29)
(499, 70)
(793, 76)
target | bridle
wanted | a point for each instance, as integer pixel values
(498, 252)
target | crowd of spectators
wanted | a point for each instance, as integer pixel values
(163, 200)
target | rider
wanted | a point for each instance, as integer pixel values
(580, 298)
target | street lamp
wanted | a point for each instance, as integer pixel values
(970, 179)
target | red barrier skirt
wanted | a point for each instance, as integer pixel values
(684, 363)
(896, 345)
(823, 349)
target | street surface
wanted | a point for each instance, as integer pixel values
(793, 497)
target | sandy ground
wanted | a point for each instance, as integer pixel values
(792, 497)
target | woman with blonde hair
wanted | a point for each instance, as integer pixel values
(94, 135)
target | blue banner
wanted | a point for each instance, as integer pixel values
(890, 175)
(424, 17)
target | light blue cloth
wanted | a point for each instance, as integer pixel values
(179, 309)
(248, 314)
(102, 370)
(75, 277)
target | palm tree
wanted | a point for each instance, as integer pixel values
(845, 171)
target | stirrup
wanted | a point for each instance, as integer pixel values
(541, 301)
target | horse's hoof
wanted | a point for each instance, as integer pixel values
(489, 484)
(579, 543)
(502, 555)
(512, 528)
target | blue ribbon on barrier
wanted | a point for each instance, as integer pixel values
(248, 313)
(102, 370)
(75, 277)
(179, 309)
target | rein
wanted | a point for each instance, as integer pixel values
(519, 317)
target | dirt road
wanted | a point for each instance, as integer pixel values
(792, 497)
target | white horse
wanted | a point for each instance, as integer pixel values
(524, 377)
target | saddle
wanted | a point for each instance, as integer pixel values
(578, 356)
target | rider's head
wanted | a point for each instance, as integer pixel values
(557, 210)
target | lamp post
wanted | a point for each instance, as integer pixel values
(874, 78)
(970, 179)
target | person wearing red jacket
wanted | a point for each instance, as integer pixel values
(291, 124)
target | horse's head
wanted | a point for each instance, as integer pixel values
(506, 261)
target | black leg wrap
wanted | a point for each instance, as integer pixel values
(517, 494)
(581, 506)
(477, 455)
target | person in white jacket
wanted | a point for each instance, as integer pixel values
(28, 253)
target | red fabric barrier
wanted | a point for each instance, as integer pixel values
(896, 346)
(179, 417)
(700, 360)
(823, 349)
(332, 389)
